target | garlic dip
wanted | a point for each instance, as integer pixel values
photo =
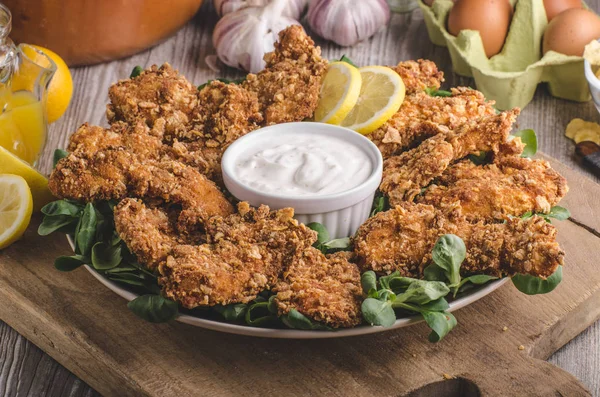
(299, 164)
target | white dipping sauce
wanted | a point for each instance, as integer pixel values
(307, 165)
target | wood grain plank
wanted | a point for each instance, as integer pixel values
(405, 38)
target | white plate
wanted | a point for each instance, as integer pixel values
(298, 334)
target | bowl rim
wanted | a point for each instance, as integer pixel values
(303, 204)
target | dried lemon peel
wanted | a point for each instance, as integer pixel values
(580, 130)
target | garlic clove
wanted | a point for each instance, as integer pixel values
(346, 22)
(293, 9)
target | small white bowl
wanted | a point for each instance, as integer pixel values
(593, 82)
(341, 213)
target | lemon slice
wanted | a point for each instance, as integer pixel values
(381, 95)
(339, 93)
(11, 164)
(16, 205)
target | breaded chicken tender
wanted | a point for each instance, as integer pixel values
(175, 183)
(288, 88)
(97, 167)
(157, 93)
(225, 113)
(406, 174)
(402, 239)
(421, 114)
(244, 255)
(106, 165)
(150, 233)
(509, 187)
(419, 75)
(326, 289)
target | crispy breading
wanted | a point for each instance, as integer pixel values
(419, 75)
(97, 167)
(288, 88)
(244, 255)
(225, 113)
(175, 183)
(421, 114)
(406, 174)
(326, 289)
(402, 239)
(157, 93)
(150, 233)
(105, 165)
(511, 186)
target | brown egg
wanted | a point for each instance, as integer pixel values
(490, 17)
(555, 7)
(570, 31)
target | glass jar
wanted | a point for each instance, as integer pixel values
(402, 6)
(25, 74)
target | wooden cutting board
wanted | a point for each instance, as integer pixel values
(89, 330)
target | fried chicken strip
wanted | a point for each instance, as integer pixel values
(150, 233)
(175, 183)
(419, 75)
(421, 114)
(97, 167)
(157, 93)
(324, 288)
(225, 112)
(288, 88)
(511, 186)
(406, 174)
(403, 237)
(244, 255)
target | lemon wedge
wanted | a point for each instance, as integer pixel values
(381, 95)
(11, 164)
(16, 205)
(339, 93)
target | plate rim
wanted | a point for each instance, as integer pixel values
(221, 326)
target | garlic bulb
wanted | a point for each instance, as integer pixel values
(293, 8)
(242, 38)
(346, 22)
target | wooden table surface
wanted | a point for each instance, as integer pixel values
(26, 371)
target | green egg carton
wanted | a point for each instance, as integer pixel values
(510, 77)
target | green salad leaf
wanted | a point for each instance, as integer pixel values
(106, 256)
(441, 323)
(233, 313)
(344, 58)
(448, 254)
(136, 71)
(378, 312)
(85, 233)
(154, 308)
(435, 92)
(69, 263)
(296, 320)
(59, 154)
(557, 212)
(531, 285)
(380, 204)
(529, 138)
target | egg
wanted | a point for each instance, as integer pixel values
(570, 31)
(490, 17)
(555, 7)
